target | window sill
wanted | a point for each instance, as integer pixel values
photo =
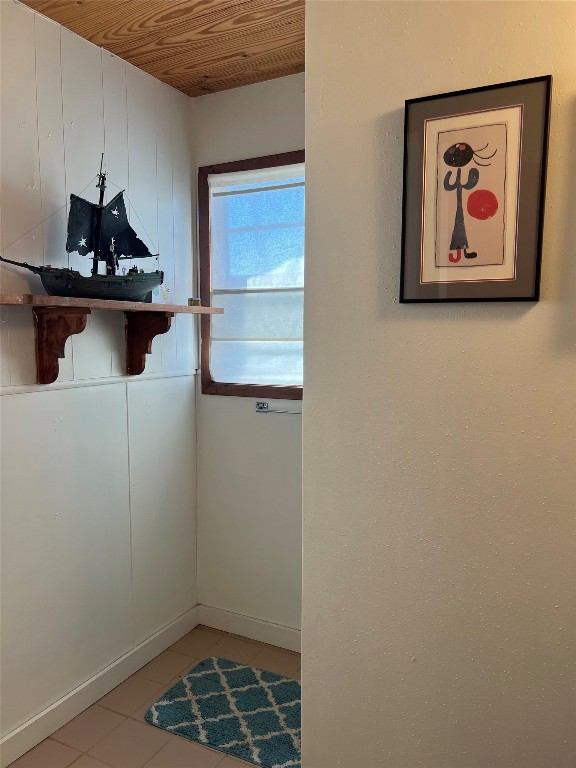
(260, 391)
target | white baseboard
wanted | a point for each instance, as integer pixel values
(23, 738)
(256, 629)
(32, 732)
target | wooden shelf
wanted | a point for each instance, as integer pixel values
(58, 317)
(36, 300)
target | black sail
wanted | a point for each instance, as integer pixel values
(116, 231)
(104, 231)
(81, 226)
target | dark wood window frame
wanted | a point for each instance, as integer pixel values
(209, 386)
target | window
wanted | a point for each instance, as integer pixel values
(251, 231)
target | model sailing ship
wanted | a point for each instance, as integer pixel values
(104, 231)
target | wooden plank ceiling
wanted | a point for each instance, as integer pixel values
(196, 46)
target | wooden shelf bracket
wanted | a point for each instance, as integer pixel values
(58, 317)
(141, 328)
(52, 327)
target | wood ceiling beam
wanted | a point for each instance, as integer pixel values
(140, 16)
(230, 75)
(241, 49)
(197, 46)
(252, 19)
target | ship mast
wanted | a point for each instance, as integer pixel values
(101, 186)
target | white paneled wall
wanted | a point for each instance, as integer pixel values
(98, 470)
(66, 581)
(162, 483)
(63, 103)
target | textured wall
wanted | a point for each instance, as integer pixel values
(250, 465)
(439, 491)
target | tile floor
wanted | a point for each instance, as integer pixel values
(113, 733)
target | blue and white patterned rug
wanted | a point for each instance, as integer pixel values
(242, 711)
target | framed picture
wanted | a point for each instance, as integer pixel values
(474, 179)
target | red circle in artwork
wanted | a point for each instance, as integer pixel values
(482, 204)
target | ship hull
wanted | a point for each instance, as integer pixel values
(113, 287)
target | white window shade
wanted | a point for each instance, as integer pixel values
(257, 362)
(257, 247)
(219, 182)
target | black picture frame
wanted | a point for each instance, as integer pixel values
(438, 262)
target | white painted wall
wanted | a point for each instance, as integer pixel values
(249, 465)
(98, 471)
(439, 490)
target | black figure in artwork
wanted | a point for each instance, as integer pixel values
(457, 156)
